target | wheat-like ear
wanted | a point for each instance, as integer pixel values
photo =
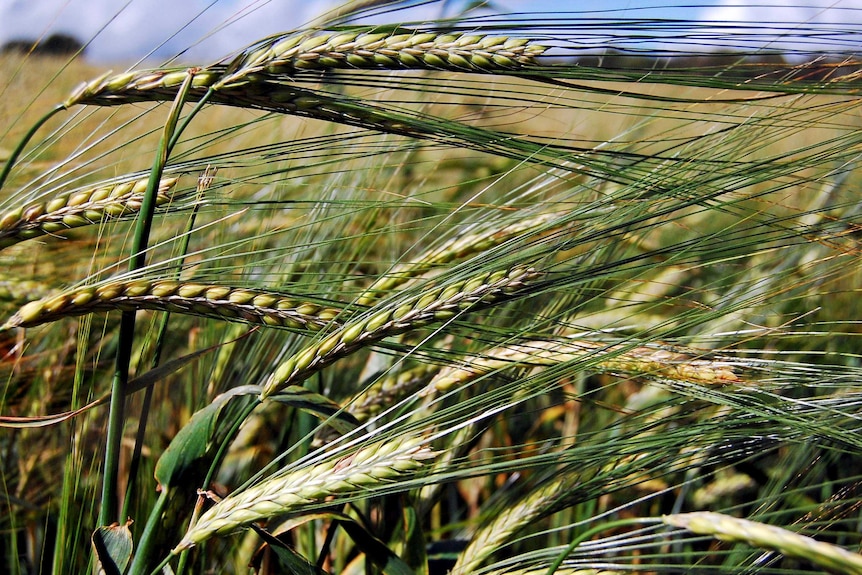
(284, 56)
(82, 208)
(498, 532)
(217, 301)
(388, 389)
(475, 239)
(402, 49)
(374, 466)
(830, 557)
(436, 305)
(682, 365)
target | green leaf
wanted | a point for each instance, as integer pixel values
(412, 547)
(319, 406)
(112, 547)
(377, 551)
(288, 559)
(197, 442)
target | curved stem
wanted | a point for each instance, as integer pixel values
(134, 465)
(13, 157)
(116, 414)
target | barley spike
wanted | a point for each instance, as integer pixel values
(222, 302)
(81, 208)
(374, 465)
(402, 49)
(436, 305)
(498, 531)
(383, 392)
(830, 557)
(642, 360)
(474, 239)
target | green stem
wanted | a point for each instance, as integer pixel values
(182, 127)
(108, 511)
(20, 148)
(160, 344)
(145, 542)
(146, 539)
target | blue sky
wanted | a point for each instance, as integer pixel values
(127, 30)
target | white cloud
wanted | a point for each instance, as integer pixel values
(806, 25)
(123, 34)
(126, 34)
(126, 30)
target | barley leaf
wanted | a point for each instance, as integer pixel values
(113, 548)
(377, 551)
(196, 443)
(286, 556)
(319, 406)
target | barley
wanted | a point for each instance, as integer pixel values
(382, 393)
(141, 86)
(641, 360)
(90, 206)
(291, 54)
(221, 302)
(436, 305)
(830, 557)
(403, 49)
(473, 240)
(563, 570)
(388, 389)
(498, 531)
(358, 473)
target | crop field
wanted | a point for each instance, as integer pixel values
(427, 299)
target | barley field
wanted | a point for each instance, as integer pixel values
(431, 297)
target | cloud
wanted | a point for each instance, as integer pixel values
(200, 30)
(806, 26)
(125, 32)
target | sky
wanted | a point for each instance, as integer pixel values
(128, 30)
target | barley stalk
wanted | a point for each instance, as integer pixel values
(438, 304)
(474, 239)
(830, 557)
(182, 297)
(638, 360)
(91, 206)
(372, 466)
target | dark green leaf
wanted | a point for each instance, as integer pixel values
(377, 551)
(317, 405)
(197, 441)
(112, 547)
(288, 559)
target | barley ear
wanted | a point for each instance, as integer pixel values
(830, 557)
(81, 208)
(217, 301)
(436, 305)
(499, 531)
(377, 465)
